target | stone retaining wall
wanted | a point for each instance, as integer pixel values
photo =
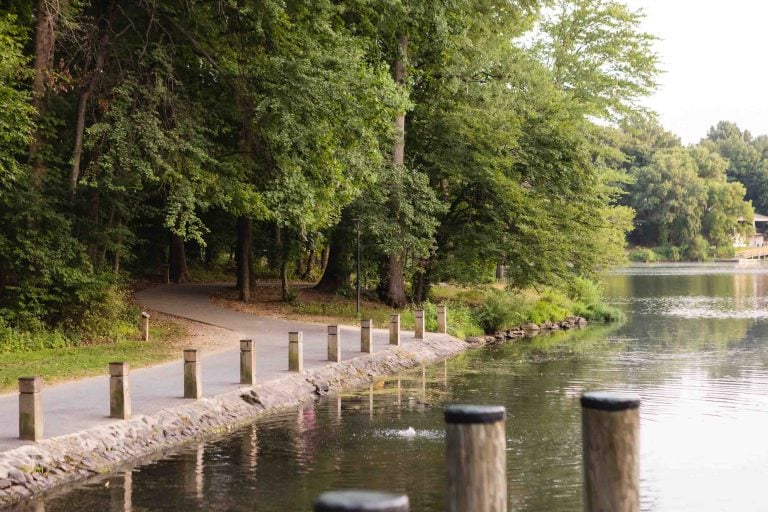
(43, 466)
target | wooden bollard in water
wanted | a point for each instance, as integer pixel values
(193, 381)
(361, 501)
(30, 409)
(366, 336)
(442, 319)
(144, 326)
(476, 453)
(610, 435)
(119, 391)
(394, 329)
(295, 351)
(334, 347)
(247, 362)
(419, 316)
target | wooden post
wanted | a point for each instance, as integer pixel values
(30, 409)
(295, 351)
(476, 452)
(361, 501)
(144, 326)
(119, 391)
(366, 342)
(334, 347)
(394, 329)
(442, 319)
(610, 433)
(419, 316)
(247, 362)
(193, 381)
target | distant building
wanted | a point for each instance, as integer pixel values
(761, 233)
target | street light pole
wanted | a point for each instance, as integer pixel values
(357, 226)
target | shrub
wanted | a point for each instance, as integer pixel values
(642, 255)
(698, 249)
(551, 306)
(501, 310)
(599, 312)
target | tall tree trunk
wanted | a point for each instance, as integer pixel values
(310, 262)
(244, 257)
(337, 270)
(85, 94)
(395, 291)
(45, 43)
(177, 259)
(284, 249)
(500, 272)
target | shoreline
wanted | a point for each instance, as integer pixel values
(38, 468)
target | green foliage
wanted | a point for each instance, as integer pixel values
(500, 311)
(698, 249)
(642, 255)
(599, 312)
(16, 112)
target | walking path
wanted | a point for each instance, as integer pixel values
(74, 406)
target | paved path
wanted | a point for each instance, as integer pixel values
(78, 405)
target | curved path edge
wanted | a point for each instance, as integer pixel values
(37, 468)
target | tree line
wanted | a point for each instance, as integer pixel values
(456, 136)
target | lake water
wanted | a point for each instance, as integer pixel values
(695, 347)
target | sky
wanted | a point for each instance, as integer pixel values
(713, 54)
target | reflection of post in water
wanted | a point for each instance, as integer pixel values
(121, 492)
(338, 410)
(423, 383)
(445, 373)
(370, 400)
(193, 472)
(250, 448)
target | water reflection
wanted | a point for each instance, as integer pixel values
(694, 346)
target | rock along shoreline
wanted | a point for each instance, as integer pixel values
(47, 465)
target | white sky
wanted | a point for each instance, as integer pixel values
(713, 54)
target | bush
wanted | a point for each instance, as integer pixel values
(698, 249)
(599, 312)
(498, 312)
(642, 255)
(551, 306)
(583, 290)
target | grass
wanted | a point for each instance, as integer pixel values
(65, 363)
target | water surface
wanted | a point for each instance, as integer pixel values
(694, 346)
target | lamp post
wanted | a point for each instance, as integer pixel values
(357, 227)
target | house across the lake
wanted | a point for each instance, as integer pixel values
(761, 233)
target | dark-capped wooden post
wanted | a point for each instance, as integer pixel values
(442, 319)
(366, 336)
(119, 391)
(394, 329)
(30, 409)
(361, 501)
(610, 436)
(144, 326)
(295, 351)
(419, 316)
(193, 381)
(476, 453)
(334, 347)
(247, 363)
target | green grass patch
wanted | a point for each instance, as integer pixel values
(42, 355)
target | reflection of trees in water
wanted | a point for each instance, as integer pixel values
(739, 285)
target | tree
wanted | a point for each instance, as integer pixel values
(598, 53)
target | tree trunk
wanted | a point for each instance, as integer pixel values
(395, 292)
(338, 268)
(310, 261)
(500, 272)
(177, 259)
(85, 94)
(45, 43)
(244, 257)
(284, 253)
